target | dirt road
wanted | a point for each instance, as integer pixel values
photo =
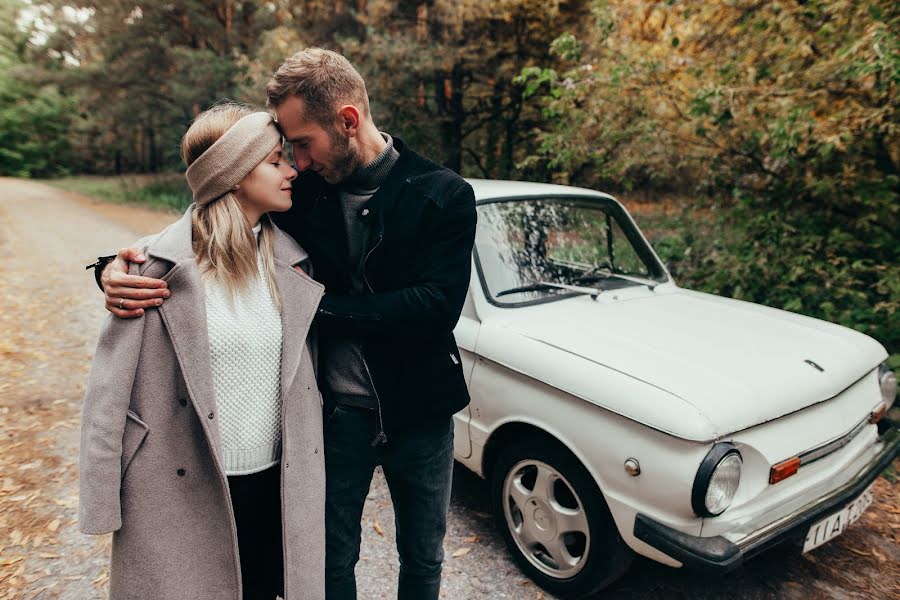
(50, 316)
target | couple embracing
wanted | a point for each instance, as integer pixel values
(269, 349)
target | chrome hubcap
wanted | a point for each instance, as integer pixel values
(546, 519)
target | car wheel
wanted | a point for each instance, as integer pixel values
(554, 519)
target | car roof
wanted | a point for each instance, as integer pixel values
(488, 189)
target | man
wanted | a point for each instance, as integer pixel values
(390, 235)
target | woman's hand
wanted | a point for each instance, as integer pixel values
(128, 295)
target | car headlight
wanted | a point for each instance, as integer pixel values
(888, 382)
(717, 480)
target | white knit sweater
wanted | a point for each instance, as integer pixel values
(245, 346)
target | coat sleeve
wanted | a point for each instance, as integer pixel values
(103, 424)
(429, 308)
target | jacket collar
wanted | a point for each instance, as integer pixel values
(313, 187)
(174, 243)
(383, 199)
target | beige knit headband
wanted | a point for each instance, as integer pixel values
(224, 164)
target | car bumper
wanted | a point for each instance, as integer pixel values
(719, 554)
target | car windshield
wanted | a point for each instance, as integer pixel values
(542, 249)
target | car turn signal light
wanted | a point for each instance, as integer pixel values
(878, 413)
(784, 469)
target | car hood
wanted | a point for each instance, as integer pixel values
(737, 364)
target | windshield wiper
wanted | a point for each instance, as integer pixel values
(544, 285)
(596, 272)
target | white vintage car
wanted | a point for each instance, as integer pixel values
(615, 413)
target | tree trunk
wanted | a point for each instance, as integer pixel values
(421, 22)
(492, 146)
(421, 30)
(229, 17)
(152, 150)
(453, 117)
(508, 161)
(139, 153)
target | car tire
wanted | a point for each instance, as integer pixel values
(566, 540)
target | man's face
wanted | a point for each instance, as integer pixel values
(329, 152)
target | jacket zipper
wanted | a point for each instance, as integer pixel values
(366, 259)
(380, 436)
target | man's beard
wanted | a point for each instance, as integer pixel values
(344, 158)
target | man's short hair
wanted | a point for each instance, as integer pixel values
(323, 79)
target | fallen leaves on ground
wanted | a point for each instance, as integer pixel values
(377, 527)
(43, 367)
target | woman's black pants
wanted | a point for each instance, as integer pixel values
(256, 499)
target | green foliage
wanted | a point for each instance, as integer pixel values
(34, 117)
(779, 118)
(567, 47)
(532, 79)
(457, 96)
(783, 259)
(34, 123)
(790, 124)
(891, 475)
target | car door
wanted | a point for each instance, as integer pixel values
(466, 334)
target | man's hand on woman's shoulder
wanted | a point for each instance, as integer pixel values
(128, 295)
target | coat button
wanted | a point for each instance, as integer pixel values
(180, 472)
(182, 401)
(211, 415)
(365, 212)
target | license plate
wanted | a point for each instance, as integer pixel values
(834, 525)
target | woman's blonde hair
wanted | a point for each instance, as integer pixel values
(223, 240)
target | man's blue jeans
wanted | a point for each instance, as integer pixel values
(418, 467)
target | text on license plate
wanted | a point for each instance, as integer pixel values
(834, 525)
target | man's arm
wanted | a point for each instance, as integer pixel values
(127, 295)
(432, 306)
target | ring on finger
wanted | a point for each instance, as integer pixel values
(121, 303)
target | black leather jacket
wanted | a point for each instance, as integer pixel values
(416, 268)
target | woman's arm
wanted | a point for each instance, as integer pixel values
(103, 423)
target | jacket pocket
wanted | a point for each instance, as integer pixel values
(135, 432)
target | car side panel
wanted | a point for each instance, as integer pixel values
(600, 440)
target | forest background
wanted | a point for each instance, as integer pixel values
(765, 133)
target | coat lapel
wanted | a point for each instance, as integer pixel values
(300, 297)
(184, 315)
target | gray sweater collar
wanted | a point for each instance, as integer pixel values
(370, 177)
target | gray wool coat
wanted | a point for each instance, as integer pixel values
(150, 466)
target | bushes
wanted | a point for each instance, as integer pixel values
(790, 261)
(34, 127)
(783, 115)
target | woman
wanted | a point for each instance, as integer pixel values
(201, 434)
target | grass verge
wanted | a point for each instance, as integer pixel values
(167, 191)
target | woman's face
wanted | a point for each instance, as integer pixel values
(267, 187)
